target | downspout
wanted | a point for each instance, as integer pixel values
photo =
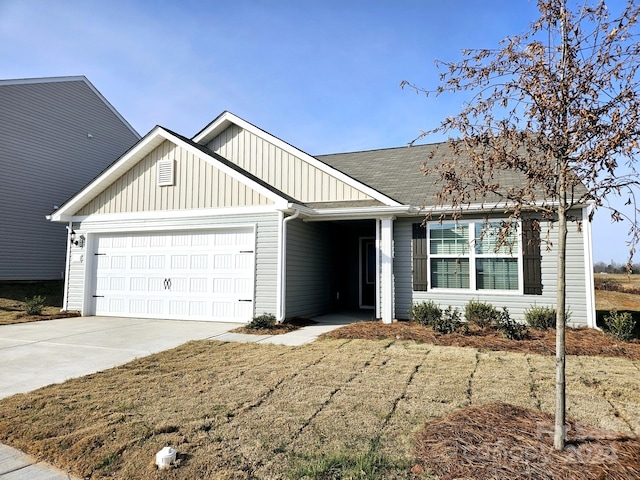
(588, 252)
(282, 297)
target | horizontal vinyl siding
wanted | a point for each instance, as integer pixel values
(76, 280)
(517, 304)
(266, 253)
(284, 171)
(309, 264)
(198, 184)
(46, 156)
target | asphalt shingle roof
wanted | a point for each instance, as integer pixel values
(394, 172)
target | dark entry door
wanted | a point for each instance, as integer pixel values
(367, 272)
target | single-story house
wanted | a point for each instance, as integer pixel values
(235, 222)
(56, 134)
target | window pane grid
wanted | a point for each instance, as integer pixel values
(449, 239)
(497, 274)
(454, 265)
(487, 238)
(450, 273)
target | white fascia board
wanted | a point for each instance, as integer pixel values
(326, 214)
(486, 207)
(171, 215)
(152, 140)
(172, 220)
(226, 118)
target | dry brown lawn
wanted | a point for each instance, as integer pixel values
(13, 305)
(344, 408)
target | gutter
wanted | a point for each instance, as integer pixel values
(282, 272)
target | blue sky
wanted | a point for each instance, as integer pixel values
(322, 75)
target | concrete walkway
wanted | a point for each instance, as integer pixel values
(33, 355)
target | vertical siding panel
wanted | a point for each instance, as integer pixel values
(205, 188)
(151, 162)
(189, 182)
(277, 160)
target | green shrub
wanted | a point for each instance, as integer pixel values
(262, 322)
(540, 318)
(510, 328)
(481, 314)
(619, 325)
(543, 318)
(425, 313)
(450, 322)
(34, 304)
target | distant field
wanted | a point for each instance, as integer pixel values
(621, 278)
(617, 296)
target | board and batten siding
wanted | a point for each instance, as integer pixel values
(286, 172)
(198, 184)
(266, 255)
(55, 136)
(517, 304)
(309, 268)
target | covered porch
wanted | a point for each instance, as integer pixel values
(335, 265)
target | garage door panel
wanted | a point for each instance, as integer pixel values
(205, 275)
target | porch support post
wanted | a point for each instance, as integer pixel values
(385, 235)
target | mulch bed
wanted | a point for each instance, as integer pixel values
(503, 441)
(579, 341)
(278, 329)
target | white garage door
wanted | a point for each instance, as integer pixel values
(196, 275)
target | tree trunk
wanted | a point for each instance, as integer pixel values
(560, 433)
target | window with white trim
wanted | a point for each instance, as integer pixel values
(474, 256)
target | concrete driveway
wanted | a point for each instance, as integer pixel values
(36, 354)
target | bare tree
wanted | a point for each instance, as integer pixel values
(559, 106)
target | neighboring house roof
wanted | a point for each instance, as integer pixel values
(78, 78)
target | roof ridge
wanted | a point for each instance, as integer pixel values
(408, 146)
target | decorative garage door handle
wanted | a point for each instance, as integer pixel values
(167, 284)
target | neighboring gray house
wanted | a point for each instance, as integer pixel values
(56, 134)
(236, 222)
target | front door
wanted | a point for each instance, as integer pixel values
(367, 273)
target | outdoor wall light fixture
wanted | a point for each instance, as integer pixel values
(78, 242)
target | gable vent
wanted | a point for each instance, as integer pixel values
(166, 174)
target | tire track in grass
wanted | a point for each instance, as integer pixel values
(533, 385)
(375, 442)
(244, 448)
(587, 397)
(607, 392)
(338, 389)
(470, 382)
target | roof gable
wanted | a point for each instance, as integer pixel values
(289, 169)
(130, 184)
